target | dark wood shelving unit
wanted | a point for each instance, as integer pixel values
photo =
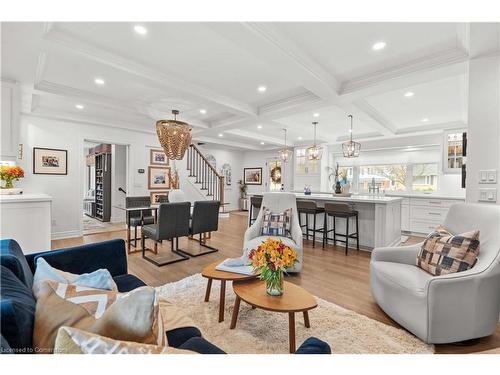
(103, 186)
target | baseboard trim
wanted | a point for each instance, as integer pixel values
(67, 234)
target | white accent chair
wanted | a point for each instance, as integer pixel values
(447, 308)
(276, 202)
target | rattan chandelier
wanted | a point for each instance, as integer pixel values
(174, 136)
(351, 149)
(314, 152)
(285, 153)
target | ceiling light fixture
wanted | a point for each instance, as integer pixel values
(259, 126)
(409, 94)
(262, 143)
(299, 138)
(378, 46)
(285, 153)
(174, 136)
(221, 135)
(261, 89)
(314, 152)
(425, 119)
(141, 30)
(99, 81)
(315, 114)
(79, 106)
(350, 149)
(203, 111)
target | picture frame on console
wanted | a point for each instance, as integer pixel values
(156, 195)
(252, 176)
(158, 178)
(158, 157)
(51, 161)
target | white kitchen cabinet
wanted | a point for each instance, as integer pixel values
(405, 215)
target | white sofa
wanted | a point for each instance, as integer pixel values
(448, 308)
(276, 202)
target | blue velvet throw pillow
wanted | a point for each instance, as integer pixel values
(12, 257)
(17, 309)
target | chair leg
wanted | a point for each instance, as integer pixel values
(250, 216)
(325, 228)
(135, 236)
(334, 231)
(346, 235)
(307, 226)
(156, 247)
(357, 233)
(314, 231)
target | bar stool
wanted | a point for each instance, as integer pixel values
(341, 210)
(255, 201)
(308, 207)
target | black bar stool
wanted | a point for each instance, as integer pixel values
(255, 201)
(341, 210)
(308, 207)
(134, 217)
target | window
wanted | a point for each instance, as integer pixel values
(453, 158)
(390, 177)
(425, 177)
(300, 160)
(346, 175)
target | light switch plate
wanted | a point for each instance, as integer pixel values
(488, 176)
(487, 194)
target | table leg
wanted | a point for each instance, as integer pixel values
(222, 300)
(236, 309)
(306, 319)
(291, 331)
(209, 288)
(128, 232)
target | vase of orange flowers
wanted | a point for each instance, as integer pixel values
(9, 174)
(272, 258)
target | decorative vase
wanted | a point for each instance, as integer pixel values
(338, 188)
(8, 184)
(274, 284)
(346, 188)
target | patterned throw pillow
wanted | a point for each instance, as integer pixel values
(276, 224)
(443, 253)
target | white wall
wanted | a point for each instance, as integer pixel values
(67, 190)
(258, 159)
(118, 179)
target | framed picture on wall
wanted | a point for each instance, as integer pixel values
(156, 196)
(252, 176)
(50, 161)
(158, 178)
(158, 157)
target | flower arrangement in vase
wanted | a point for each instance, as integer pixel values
(9, 174)
(272, 258)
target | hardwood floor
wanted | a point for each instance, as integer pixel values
(328, 274)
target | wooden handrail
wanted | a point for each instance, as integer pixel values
(206, 161)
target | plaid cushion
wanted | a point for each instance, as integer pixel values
(444, 253)
(276, 224)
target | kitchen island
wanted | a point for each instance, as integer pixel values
(379, 218)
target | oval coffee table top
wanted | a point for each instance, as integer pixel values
(294, 298)
(211, 273)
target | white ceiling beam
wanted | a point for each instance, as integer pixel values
(225, 142)
(359, 136)
(431, 127)
(380, 122)
(151, 76)
(256, 136)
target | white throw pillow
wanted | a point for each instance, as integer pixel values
(100, 279)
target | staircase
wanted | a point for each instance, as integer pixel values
(205, 176)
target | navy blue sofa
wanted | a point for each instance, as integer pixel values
(17, 304)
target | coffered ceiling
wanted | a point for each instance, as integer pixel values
(212, 72)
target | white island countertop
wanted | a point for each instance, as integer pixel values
(15, 198)
(423, 195)
(353, 198)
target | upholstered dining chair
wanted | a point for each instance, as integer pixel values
(276, 202)
(134, 217)
(447, 308)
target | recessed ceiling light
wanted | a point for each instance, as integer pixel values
(299, 138)
(259, 126)
(425, 119)
(262, 143)
(141, 30)
(409, 94)
(203, 111)
(378, 46)
(79, 106)
(221, 135)
(99, 81)
(316, 114)
(261, 89)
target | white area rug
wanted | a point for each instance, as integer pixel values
(259, 331)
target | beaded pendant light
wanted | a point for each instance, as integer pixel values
(174, 136)
(351, 149)
(285, 153)
(314, 152)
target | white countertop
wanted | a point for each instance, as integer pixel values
(353, 198)
(422, 195)
(18, 198)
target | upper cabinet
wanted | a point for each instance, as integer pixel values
(304, 166)
(10, 120)
(453, 151)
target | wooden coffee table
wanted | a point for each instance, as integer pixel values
(212, 274)
(294, 299)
